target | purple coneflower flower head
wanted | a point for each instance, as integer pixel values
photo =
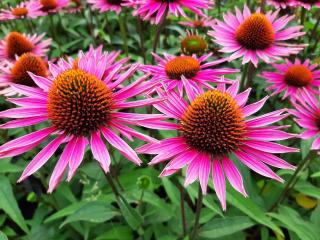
(199, 23)
(28, 9)
(281, 3)
(52, 6)
(308, 4)
(154, 10)
(16, 44)
(17, 72)
(80, 103)
(106, 5)
(187, 73)
(307, 113)
(292, 77)
(255, 36)
(213, 126)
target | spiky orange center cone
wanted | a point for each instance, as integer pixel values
(213, 123)
(256, 32)
(79, 103)
(183, 65)
(298, 76)
(48, 5)
(28, 62)
(20, 11)
(193, 44)
(17, 44)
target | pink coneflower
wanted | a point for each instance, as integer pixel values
(107, 5)
(75, 6)
(308, 4)
(78, 103)
(281, 3)
(214, 126)
(28, 9)
(256, 36)
(307, 113)
(291, 78)
(18, 72)
(16, 44)
(52, 6)
(199, 23)
(188, 73)
(155, 9)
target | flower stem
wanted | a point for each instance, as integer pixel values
(182, 209)
(123, 31)
(141, 36)
(197, 217)
(54, 33)
(303, 15)
(112, 185)
(158, 33)
(292, 181)
(250, 74)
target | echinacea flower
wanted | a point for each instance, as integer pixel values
(155, 9)
(193, 44)
(307, 113)
(199, 23)
(78, 103)
(52, 6)
(214, 126)
(106, 5)
(17, 72)
(186, 73)
(281, 3)
(28, 9)
(292, 77)
(255, 36)
(308, 4)
(16, 44)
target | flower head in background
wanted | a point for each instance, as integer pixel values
(16, 44)
(154, 10)
(307, 113)
(199, 23)
(292, 77)
(186, 73)
(214, 126)
(17, 72)
(308, 4)
(28, 9)
(193, 44)
(107, 5)
(79, 103)
(255, 36)
(52, 6)
(281, 3)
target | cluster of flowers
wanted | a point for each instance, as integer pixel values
(84, 101)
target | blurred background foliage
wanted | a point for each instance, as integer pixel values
(86, 207)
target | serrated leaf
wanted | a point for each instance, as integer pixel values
(9, 204)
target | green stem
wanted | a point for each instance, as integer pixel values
(292, 181)
(54, 33)
(182, 209)
(303, 15)
(197, 216)
(158, 33)
(243, 77)
(123, 31)
(141, 36)
(250, 74)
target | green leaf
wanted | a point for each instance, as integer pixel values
(119, 232)
(96, 212)
(307, 189)
(294, 222)
(247, 206)
(171, 190)
(7, 167)
(225, 226)
(65, 211)
(3, 236)
(131, 216)
(9, 204)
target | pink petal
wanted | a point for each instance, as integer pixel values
(99, 151)
(219, 182)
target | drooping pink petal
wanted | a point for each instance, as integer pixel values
(99, 151)
(219, 182)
